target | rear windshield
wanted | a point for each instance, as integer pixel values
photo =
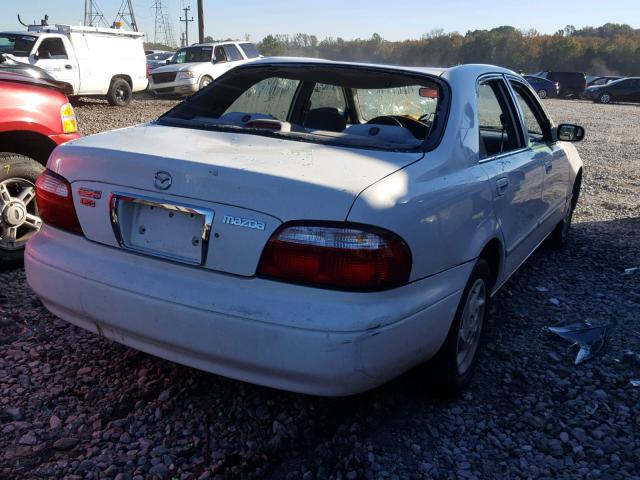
(16, 44)
(193, 54)
(345, 106)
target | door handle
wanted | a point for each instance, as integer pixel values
(548, 166)
(501, 185)
(68, 67)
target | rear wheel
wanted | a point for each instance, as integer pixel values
(452, 368)
(542, 93)
(19, 218)
(119, 94)
(604, 98)
(559, 238)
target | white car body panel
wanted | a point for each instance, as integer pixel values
(221, 318)
(95, 57)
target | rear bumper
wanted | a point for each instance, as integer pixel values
(61, 138)
(284, 336)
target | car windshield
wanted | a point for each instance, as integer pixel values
(159, 56)
(193, 54)
(342, 105)
(16, 44)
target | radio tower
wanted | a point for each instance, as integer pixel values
(93, 16)
(163, 31)
(125, 13)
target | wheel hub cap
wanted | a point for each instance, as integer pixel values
(14, 214)
(471, 325)
(18, 213)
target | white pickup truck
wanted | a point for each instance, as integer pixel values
(94, 61)
(196, 66)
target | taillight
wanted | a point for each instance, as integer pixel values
(336, 255)
(55, 203)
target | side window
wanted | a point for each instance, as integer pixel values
(249, 50)
(233, 54)
(52, 48)
(220, 55)
(498, 134)
(536, 124)
(328, 96)
(180, 56)
(271, 96)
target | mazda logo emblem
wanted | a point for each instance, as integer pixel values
(162, 180)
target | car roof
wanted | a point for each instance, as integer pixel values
(472, 69)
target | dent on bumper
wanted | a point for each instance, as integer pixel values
(283, 337)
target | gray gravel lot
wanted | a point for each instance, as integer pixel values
(75, 405)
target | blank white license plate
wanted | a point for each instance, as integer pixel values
(170, 231)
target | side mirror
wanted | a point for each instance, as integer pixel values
(570, 133)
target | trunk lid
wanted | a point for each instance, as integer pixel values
(245, 180)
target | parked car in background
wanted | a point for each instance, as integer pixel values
(155, 60)
(94, 61)
(543, 87)
(623, 90)
(597, 81)
(280, 226)
(193, 68)
(572, 84)
(35, 117)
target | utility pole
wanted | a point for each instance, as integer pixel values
(186, 21)
(92, 14)
(200, 22)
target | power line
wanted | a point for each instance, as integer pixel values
(93, 16)
(163, 29)
(125, 13)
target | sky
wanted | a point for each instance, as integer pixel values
(392, 19)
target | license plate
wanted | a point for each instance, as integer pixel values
(173, 231)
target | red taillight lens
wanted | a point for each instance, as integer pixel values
(55, 203)
(342, 256)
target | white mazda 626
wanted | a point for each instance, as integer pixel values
(313, 226)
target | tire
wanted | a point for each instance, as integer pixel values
(559, 237)
(18, 217)
(119, 94)
(542, 93)
(448, 373)
(204, 81)
(604, 98)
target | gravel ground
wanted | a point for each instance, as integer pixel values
(75, 405)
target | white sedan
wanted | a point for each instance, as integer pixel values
(308, 225)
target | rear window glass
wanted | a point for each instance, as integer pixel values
(271, 96)
(404, 101)
(346, 106)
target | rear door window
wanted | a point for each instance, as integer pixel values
(327, 96)
(233, 54)
(536, 123)
(498, 134)
(249, 50)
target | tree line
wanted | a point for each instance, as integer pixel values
(612, 49)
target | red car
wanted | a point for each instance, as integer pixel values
(35, 117)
